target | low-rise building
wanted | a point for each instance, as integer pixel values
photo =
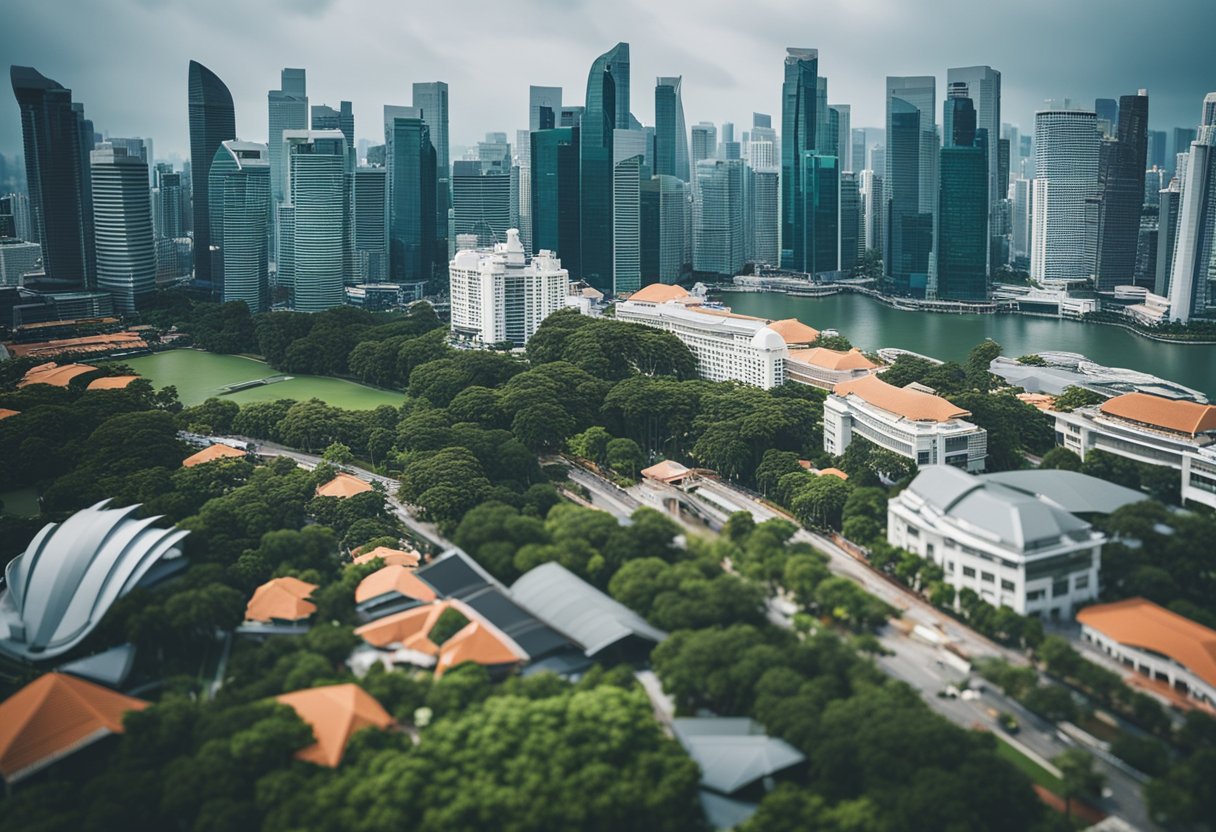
(824, 368)
(499, 296)
(1157, 643)
(1150, 429)
(1012, 547)
(919, 426)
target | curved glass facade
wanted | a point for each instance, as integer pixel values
(212, 121)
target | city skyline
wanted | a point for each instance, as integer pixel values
(347, 59)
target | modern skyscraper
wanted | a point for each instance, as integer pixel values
(57, 140)
(1107, 112)
(850, 220)
(287, 110)
(1066, 174)
(666, 224)
(1156, 149)
(800, 121)
(481, 204)
(1022, 222)
(626, 218)
(325, 117)
(371, 224)
(873, 203)
(607, 109)
(1183, 136)
(704, 141)
(239, 206)
(1208, 117)
(1193, 277)
(982, 84)
(819, 239)
(764, 197)
(670, 134)
(962, 214)
(857, 149)
(122, 217)
(431, 101)
(844, 135)
(522, 187)
(168, 205)
(1121, 194)
(544, 107)
(719, 223)
(911, 164)
(317, 206)
(1169, 201)
(412, 194)
(555, 194)
(212, 121)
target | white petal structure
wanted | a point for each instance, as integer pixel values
(72, 572)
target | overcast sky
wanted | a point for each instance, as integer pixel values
(126, 60)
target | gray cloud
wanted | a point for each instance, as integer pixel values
(126, 59)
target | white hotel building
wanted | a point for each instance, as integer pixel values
(1012, 547)
(497, 296)
(1151, 429)
(728, 347)
(920, 426)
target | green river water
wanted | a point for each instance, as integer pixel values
(199, 375)
(870, 325)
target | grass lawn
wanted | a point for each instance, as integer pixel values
(1033, 770)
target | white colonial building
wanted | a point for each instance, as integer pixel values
(920, 426)
(1151, 429)
(498, 296)
(824, 368)
(1012, 547)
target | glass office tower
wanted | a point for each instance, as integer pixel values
(555, 195)
(607, 108)
(212, 121)
(239, 208)
(800, 122)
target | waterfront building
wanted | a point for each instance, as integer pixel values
(850, 222)
(481, 204)
(57, 141)
(1151, 429)
(843, 116)
(1192, 288)
(122, 221)
(499, 296)
(764, 205)
(212, 121)
(325, 117)
(412, 195)
(1169, 201)
(982, 84)
(1012, 547)
(287, 110)
(1121, 194)
(719, 227)
(317, 207)
(239, 204)
(670, 134)
(963, 218)
(910, 183)
(606, 110)
(1157, 643)
(704, 143)
(665, 217)
(1022, 217)
(801, 126)
(728, 347)
(371, 224)
(916, 425)
(544, 108)
(818, 225)
(555, 194)
(825, 368)
(872, 203)
(1066, 175)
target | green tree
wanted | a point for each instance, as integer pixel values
(1078, 776)
(1062, 459)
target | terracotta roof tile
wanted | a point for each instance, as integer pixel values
(54, 374)
(411, 629)
(391, 557)
(393, 578)
(335, 713)
(1138, 622)
(666, 471)
(853, 359)
(1175, 415)
(794, 331)
(343, 485)
(90, 343)
(659, 293)
(832, 472)
(281, 599)
(210, 454)
(475, 642)
(5, 412)
(911, 404)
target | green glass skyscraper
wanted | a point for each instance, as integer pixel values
(239, 207)
(212, 121)
(607, 108)
(412, 194)
(820, 230)
(799, 124)
(555, 195)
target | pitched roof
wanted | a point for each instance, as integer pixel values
(659, 293)
(478, 641)
(832, 472)
(1175, 415)
(1070, 490)
(5, 412)
(475, 642)
(853, 359)
(733, 752)
(574, 607)
(52, 717)
(411, 629)
(910, 404)
(281, 599)
(393, 578)
(210, 454)
(105, 342)
(794, 331)
(1138, 622)
(391, 557)
(54, 374)
(110, 382)
(343, 485)
(334, 712)
(666, 471)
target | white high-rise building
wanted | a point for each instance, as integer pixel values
(1192, 283)
(239, 209)
(122, 223)
(628, 156)
(499, 296)
(1066, 174)
(287, 110)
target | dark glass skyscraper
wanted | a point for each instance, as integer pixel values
(670, 134)
(819, 240)
(607, 108)
(799, 121)
(58, 140)
(909, 183)
(412, 191)
(962, 204)
(325, 117)
(212, 121)
(1121, 194)
(555, 195)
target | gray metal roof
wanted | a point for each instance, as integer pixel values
(110, 667)
(571, 605)
(1017, 518)
(71, 573)
(1070, 490)
(733, 752)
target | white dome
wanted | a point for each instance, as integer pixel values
(767, 340)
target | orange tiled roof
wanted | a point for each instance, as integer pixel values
(54, 374)
(474, 643)
(281, 599)
(343, 485)
(1042, 401)
(334, 712)
(5, 412)
(89, 343)
(853, 359)
(393, 579)
(391, 557)
(1138, 622)
(52, 717)
(794, 331)
(210, 454)
(110, 382)
(910, 404)
(832, 472)
(659, 293)
(666, 471)
(1175, 415)
(411, 629)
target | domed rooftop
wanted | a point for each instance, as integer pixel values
(767, 339)
(70, 575)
